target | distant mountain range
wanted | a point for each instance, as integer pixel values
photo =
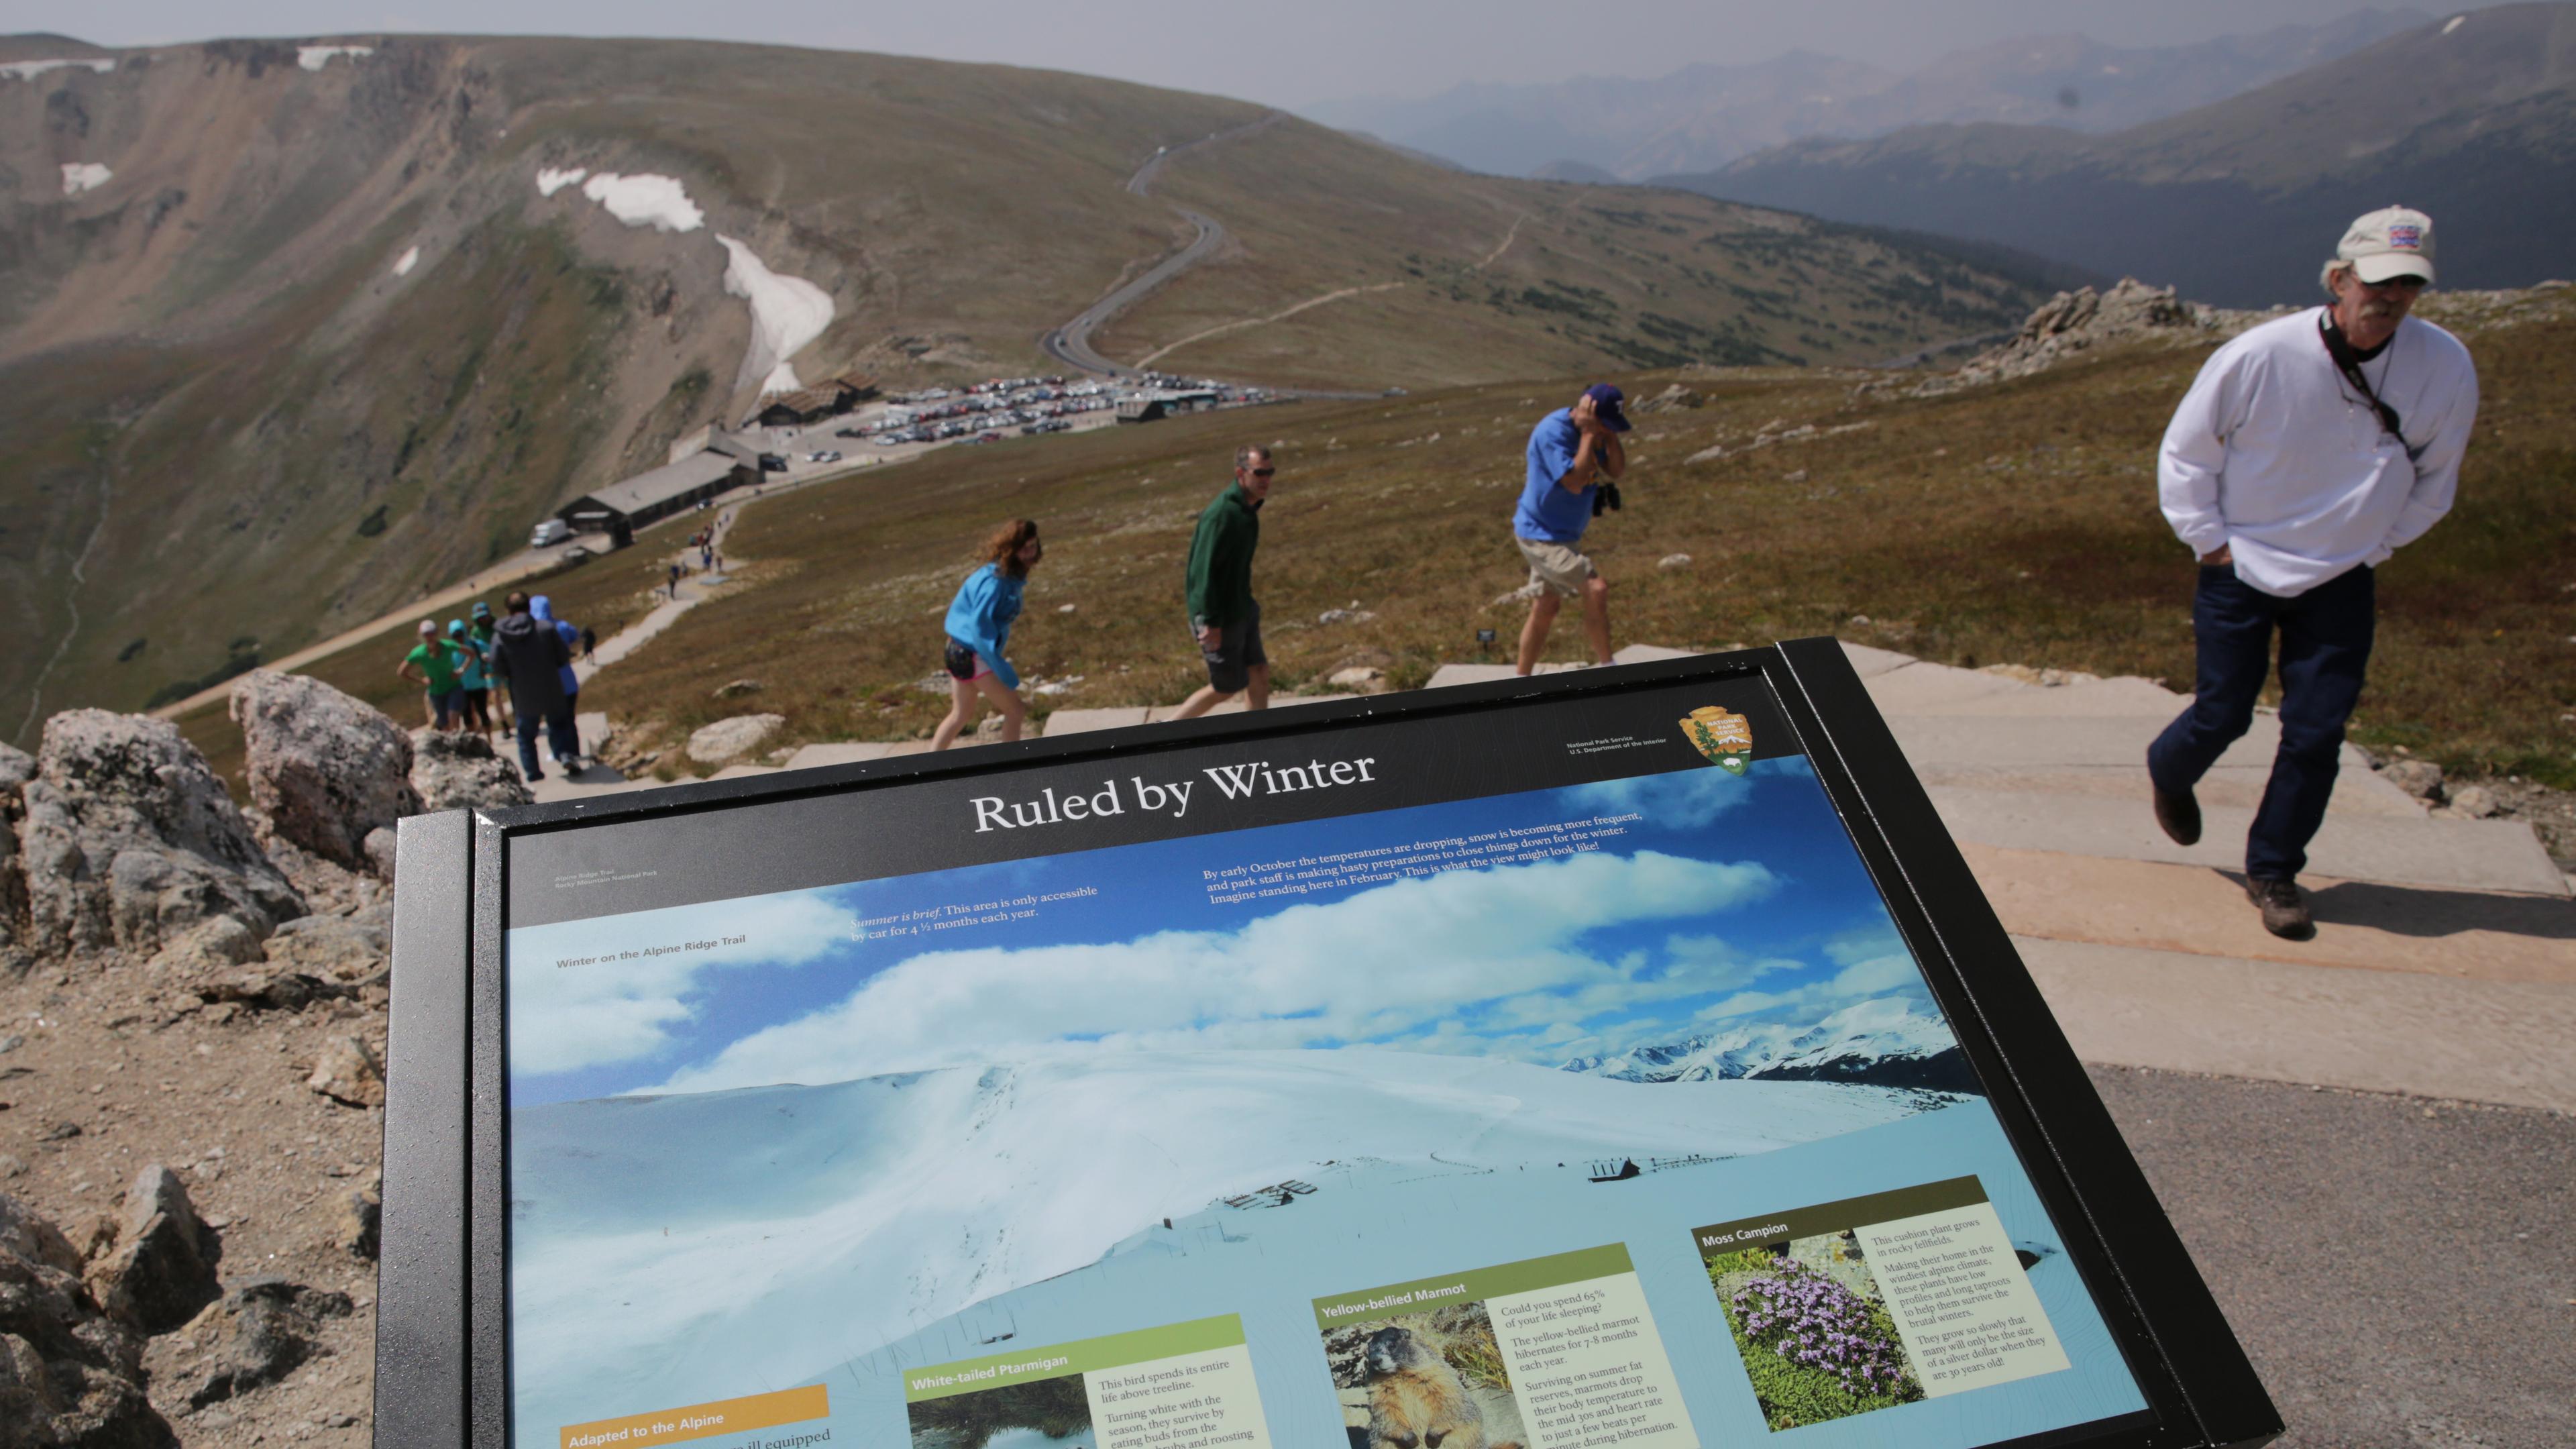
(1701, 117)
(1882, 1043)
(2472, 119)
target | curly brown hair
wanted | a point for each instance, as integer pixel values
(1004, 546)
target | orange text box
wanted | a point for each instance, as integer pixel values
(724, 1416)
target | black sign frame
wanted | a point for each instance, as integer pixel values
(442, 1316)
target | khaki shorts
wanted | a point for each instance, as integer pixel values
(1556, 567)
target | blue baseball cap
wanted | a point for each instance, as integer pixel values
(1605, 405)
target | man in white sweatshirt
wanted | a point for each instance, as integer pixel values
(2309, 450)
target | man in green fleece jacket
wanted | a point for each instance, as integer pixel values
(1224, 618)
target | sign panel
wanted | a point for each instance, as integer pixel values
(1553, 1075)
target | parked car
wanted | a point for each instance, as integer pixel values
(576, 555)
(826, 456)
(772, 463)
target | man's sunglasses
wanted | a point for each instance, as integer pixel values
(1262, 472)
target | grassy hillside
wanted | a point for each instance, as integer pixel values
(2012, 523)
(2472, 119)
(245, 423)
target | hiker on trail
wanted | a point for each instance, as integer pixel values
(1224, 617)
(1573, 458)
(474, 686)
(979, 629)
(542, 610)
(2308, 451)
(495, 704)
(674, 587)
(435, 663)
(527, 657)
(589, 641)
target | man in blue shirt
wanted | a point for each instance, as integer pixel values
(1572, 452)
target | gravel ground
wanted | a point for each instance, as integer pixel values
(2396, 1268)
(218, 1095)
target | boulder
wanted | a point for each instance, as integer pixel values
(1671, 399)
(129, 841)
(728, 740)
(259, 1332)
(331, 948)
(2475, 802)
(69, 1374)
(208, 946)
(456, 770)
(348, 1074)
(327, 768)
(162, 1269)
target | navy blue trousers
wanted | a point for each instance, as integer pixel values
(2325, 646)
(560, 737)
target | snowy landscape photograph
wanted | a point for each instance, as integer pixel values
(820, 1127)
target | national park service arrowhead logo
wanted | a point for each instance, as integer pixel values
(1721, 734)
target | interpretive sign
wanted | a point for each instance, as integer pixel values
(1618, 1060)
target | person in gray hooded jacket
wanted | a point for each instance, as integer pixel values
(526, 657)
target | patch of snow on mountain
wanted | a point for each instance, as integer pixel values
(550, 180)
(786, 313)
(659, 202)
(314, 57)
(1884, 1029)
(30, 69)
(404, 263)
(80, 176)
(705, 1235)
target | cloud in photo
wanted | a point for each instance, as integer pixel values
(1871, 962)
(618, 1010)
(1680, 800)
(1487, 961)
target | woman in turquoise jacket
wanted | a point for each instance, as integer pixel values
(979, 629)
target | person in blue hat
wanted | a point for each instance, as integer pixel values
(1573, 458)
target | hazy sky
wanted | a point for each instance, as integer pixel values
(1284, 54)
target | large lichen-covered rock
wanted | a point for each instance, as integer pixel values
(162, 1269)
(456, 769)
(728, 740)
(327, 768)
(69, 1374)
(128, 841)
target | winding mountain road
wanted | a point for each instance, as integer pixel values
(1071, 343)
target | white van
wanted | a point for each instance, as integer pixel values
(549, 533)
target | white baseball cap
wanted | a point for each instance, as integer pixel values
(2394, 241)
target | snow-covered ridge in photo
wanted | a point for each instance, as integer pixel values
(80, 176)
(314, 57)
(718, 1229)
(30, 69)
(659, 202)
(786, 313)
(1849, 1043)
(551, 180)
(404, 263)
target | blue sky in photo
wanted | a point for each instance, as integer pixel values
(1730, 900)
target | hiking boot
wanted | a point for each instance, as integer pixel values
(2285, 911)
(2178, 811)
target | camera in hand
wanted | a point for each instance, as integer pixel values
(1605, 497)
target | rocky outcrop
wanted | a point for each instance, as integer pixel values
(129, 842)
(69, 1374)
(728, 740)
(2078, 321)
(162, 1269)
(456, 770)
(260, 1332)
(326, 768)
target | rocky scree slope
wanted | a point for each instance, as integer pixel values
(192, 1021)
